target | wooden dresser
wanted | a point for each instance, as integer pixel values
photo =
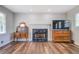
(62, 35)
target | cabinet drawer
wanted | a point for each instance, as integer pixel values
(61, 36)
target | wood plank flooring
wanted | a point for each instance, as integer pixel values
(39, 48)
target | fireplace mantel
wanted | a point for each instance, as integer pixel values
(40, 26)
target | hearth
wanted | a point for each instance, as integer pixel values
(40, 35)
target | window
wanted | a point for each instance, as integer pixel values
(2, 23)
(77, 20)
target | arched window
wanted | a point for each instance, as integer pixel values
(2, 23)
(77, 20)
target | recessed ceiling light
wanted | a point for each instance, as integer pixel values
(49, 10)
(31, 10)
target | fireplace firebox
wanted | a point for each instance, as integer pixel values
(40, 35)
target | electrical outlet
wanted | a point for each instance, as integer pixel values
(2, 42)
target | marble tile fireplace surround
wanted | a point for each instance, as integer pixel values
(40, 27)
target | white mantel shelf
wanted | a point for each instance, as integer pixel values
(40, 26)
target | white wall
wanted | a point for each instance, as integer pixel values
(9, 26)
(37, 18)
(75, 30)
(5, 39)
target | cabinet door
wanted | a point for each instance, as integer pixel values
(58, 24)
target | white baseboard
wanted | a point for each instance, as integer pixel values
(77, 43)
(21, 39)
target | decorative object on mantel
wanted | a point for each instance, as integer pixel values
(21, 31)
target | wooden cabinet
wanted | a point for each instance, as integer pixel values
(21, 31)
(18, 35)
(24, 35)
(62, 35)
(61, 31)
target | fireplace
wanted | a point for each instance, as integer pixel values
(40, 35)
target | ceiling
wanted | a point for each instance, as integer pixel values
(40, 8)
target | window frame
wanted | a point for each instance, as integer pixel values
(4, 30)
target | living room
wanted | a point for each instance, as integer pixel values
(37, 25)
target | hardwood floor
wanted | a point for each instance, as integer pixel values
(39, 48)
